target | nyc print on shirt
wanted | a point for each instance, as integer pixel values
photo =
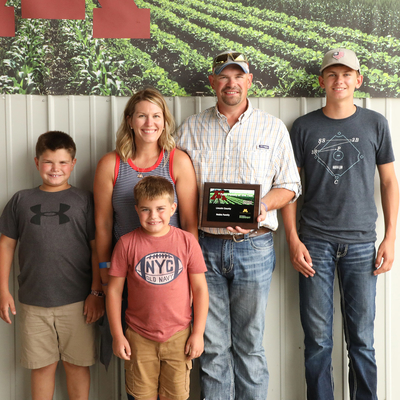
(159, 268)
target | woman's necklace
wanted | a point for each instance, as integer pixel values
(140, 171)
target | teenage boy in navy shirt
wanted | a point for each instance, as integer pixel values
(338, 147)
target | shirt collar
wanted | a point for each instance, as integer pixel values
(242, 118)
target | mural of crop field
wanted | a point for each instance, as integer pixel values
(284, 40)
(239, 197)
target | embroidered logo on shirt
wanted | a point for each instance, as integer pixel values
(159, 268)
(62, 218)
(262, 146)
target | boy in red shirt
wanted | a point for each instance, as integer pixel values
(162, 265)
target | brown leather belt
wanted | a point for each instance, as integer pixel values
(239, 237)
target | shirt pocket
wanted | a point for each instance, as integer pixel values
(255, 166)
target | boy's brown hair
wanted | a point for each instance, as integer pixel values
(153, 187)
(55, 140)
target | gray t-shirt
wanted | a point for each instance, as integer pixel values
(339, 158)
(54, 230)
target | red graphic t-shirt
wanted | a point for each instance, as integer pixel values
(157, 270)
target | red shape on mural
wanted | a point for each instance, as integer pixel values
(121, 19)
(7, 21)
(53, 9)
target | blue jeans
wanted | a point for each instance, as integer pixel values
(355, 265)
(233, 365)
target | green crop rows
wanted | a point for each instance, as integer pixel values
(284, 49)
(62, 57)
(377, 80)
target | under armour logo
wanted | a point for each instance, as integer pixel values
(62, 218)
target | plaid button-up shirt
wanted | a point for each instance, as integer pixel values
(257, 149)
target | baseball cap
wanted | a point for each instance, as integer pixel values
(230, 57)
(341, 56)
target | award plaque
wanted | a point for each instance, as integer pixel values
(230, 204)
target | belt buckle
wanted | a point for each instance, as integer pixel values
(238, 240)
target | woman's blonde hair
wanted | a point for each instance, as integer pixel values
(125, 144)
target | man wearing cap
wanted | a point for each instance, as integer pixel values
(338, 148)
(233, 142)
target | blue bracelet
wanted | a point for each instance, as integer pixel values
(266, 208)
(104, 264)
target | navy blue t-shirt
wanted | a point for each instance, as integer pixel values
(339, 158)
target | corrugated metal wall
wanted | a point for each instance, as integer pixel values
(92, 122)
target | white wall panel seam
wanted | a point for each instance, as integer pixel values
(177, 109)
(9, 188)
(93, 154)
(29, 131)
(282, 314)
(50, 113)
(367, 103)
(388, 298)
(71, 128)
(115, 121)
(92, 133)
(303, 106)
(345, 390)
(9, 156)
(198, 104)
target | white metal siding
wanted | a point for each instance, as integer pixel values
(92, 122)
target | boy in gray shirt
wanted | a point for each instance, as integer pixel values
(59, 281)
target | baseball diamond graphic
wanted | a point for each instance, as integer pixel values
(62, 218)
(338, 155)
